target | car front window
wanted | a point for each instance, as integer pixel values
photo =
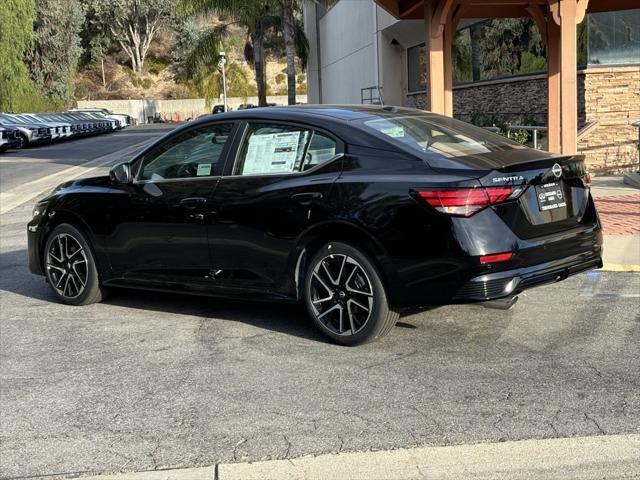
(193, 154)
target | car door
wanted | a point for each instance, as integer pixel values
(160, 220)
(274, 187)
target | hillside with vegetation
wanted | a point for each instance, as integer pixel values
(59, 51)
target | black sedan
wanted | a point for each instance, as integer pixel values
(358, 212)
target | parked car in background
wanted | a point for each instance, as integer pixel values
(122, 119)
(218, 109)
(74, 125)
(246, 106)
(113, 124)
(93, 125)
(8, 138)
(63, 129)
(28, 128)
(29, 133)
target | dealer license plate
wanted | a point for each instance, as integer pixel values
(550, 196)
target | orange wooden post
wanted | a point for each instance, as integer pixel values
(434, 43)
(568, 77)
(553, 98)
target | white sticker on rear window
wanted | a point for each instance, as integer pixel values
(395, 132)
(271, 153)
(204, 169)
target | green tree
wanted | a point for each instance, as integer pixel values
(255, 16)
(97, 41)
(504, 43)
(16, 35)
(133, 24)
(54, 57)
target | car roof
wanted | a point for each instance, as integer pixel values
(338, 112)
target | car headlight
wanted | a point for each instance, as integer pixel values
(37, 210)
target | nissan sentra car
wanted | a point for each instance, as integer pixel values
(358, 212)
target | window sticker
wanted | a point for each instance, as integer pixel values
(395, 132)
(204, 169)
(271, 153)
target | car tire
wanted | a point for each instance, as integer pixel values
(345, 297)
(23, 141)
(70, 267)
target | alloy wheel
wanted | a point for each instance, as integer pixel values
(341, 294)
(67, 266)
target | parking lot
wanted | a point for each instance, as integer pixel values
(146, 381)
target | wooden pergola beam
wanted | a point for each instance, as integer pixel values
(414, 9)
(556, 21)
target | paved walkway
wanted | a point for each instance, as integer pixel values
(619, 209)
(601, 457)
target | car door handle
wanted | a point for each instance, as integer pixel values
(193, 202)
(306, 198)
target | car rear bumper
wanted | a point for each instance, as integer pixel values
(511, 282)
(464, 279)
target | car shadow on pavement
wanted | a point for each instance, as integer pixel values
(290, 319)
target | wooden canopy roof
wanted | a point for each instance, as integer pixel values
(414, 9)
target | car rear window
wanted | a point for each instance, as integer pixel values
(442, 135)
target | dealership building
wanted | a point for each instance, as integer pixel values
(398, 52)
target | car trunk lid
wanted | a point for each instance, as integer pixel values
(556, 195)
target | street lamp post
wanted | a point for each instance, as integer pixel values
(221, 63)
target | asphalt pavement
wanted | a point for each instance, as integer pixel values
(146, 381)
(20, 166)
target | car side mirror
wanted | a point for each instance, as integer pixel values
(121, 173)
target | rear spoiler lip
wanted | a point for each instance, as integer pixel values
(543, 162)
(489, 172)
(530, 172)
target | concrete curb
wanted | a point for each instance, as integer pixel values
(621, 267)
(606, 456)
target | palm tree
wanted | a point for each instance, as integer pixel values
(295, 42)
(253, 15)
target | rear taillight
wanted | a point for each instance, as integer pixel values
(495, 258)
(464, 202)
(586, 180)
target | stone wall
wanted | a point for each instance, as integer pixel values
(612, 98)
(514, 100)
(608, 95)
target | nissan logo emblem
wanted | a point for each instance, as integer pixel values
(557, 170)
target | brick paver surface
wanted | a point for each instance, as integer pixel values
(620, 214)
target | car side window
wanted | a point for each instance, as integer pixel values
(321, 149)
(193, 154)
(281, 149)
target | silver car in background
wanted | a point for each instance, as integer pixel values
(62, 128)
(122, 119)
(29, 133)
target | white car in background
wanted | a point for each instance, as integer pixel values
(122, 119)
